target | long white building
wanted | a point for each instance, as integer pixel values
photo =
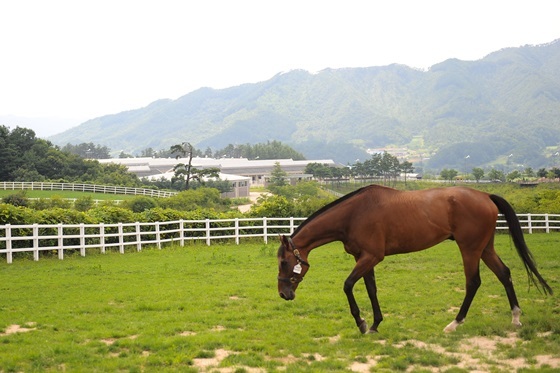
(242, 172)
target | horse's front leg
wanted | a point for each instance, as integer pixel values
(354, 309)
(363, 267)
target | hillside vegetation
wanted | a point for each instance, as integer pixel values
(504, 104)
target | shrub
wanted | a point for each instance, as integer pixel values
(192, 199)
(15, 215)
(16, 199)
(83, 203)
(140, 204)
(112, 214)
(273, 206)
(55, 201)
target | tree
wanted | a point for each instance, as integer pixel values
(278, 176)
(23, 157)
(183, 171)
(529, 172)
(269, 150)
(478, 173)
(406, 168)
(448, 174)
(318, 170)
(88, 150)
(124, 154)
(496, 175)
(199, 175)
(513, 175)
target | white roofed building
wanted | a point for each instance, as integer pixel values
(242, 172)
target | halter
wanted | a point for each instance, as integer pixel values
(294, 279)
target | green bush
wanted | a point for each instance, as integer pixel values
(273, 206)
(15, 215)
(16, 199)
(112, 214)
(193, 199)
(140, 203)
(55, 201)
(83, 203)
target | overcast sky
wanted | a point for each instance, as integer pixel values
(79, 60)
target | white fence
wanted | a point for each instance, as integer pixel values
(105, 189)
(60, 237)
(35, 238)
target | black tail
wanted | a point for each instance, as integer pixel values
(519, 242)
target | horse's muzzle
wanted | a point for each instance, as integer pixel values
(287, 295)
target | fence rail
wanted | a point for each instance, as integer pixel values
(36, 238)
(105, 189)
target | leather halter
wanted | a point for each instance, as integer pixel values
(295, 278)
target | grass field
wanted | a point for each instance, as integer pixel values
(66, 194)
(199, 308)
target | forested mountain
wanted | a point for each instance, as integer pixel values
(507, 103)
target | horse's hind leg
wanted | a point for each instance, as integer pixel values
(369, 279)
(502, 272)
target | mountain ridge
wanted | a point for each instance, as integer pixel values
(507, 102)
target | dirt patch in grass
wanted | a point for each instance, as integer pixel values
(210, 364)
(187, 333)
(364, 367)
(13, 329)
(476, 354)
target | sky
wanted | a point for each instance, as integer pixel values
(63, 62)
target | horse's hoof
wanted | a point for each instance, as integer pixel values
(515, 315)
(363, 327)
(372, 330)
(452, 326)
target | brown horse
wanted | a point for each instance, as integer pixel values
(376, 221)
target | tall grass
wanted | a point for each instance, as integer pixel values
(166, 310)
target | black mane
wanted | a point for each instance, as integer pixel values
(332, 204)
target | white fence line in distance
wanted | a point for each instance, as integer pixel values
(105, 189)
(60, 237)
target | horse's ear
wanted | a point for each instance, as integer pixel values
(284, 241)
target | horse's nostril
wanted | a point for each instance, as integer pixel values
(287, 296)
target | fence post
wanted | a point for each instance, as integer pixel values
(158, 235)
(182, 232)
(547, 227)
(529, 223)
(208, 232)
(8, 243)
(138, 237)
(291, 225)
(82, 240)
(265, 230)
(121, 238)
(102, 237)
(236, 231)
(35, 242)
(60, 229)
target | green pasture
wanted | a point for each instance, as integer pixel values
(66, 194)
(200, 308)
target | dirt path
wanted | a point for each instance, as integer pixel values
(253, 197)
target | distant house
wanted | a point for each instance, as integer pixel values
(242, 172)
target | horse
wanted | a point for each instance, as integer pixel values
(377, 221)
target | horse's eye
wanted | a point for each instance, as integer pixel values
(283, 263)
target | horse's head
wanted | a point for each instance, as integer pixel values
(291, 268)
